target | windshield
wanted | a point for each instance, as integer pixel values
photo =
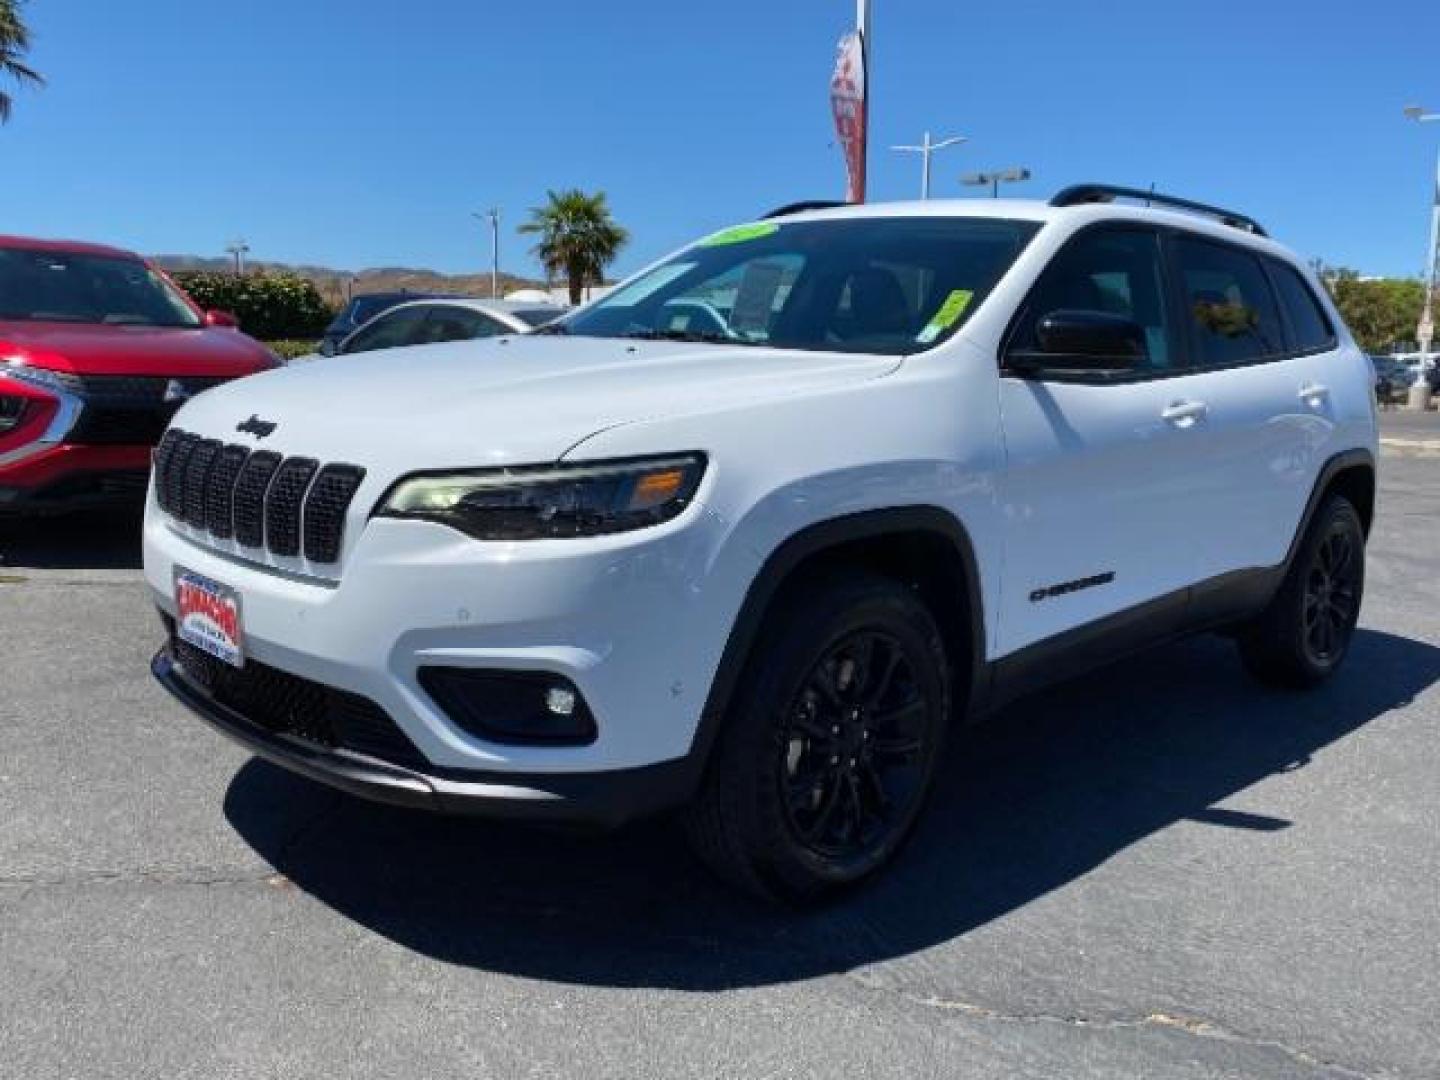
(875, 285)
(49, 286)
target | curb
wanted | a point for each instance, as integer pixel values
(1419, 445)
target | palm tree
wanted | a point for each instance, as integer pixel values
(578, 238)
(14, 43)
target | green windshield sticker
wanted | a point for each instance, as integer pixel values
(949, 314)
(741, 233)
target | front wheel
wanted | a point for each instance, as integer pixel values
(831, 746)
(1303, 636)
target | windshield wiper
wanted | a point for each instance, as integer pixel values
(701, 336)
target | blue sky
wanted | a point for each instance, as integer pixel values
(356, 133)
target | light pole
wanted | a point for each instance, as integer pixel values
(238, 249)
(493, 217)
(1425, 333)
(993, 180)
(925, 149)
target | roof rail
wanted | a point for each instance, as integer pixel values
(801, 207)
(1094, 193)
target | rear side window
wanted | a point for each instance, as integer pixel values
(1310, 328)
(449, 323)
(1230, 310)
(388, 331)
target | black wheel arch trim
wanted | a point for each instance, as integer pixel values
(814, 540)
(1358, 458)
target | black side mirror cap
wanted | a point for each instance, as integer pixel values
(1083, 341)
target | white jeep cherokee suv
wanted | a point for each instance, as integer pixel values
(751, 532)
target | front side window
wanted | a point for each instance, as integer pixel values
(1114, 271)
(890, 286)
(1231, 313)
(388, 331)
(1310, 327)
(47, 286)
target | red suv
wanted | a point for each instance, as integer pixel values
(97, 350)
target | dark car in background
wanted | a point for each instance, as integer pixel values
(361, 309)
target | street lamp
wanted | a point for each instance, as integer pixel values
(1425, 332)
(925, 149)
(493, 217)
(238, 249)
(993, 180)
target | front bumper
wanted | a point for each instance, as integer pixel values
(604, 800)
(635, 622)
(63, 478)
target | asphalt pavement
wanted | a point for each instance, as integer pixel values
(1157, 871)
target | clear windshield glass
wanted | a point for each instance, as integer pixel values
(47, 286)
(875, 285)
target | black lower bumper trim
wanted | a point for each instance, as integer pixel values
(602, 799)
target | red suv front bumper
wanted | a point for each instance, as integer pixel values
(41, 471)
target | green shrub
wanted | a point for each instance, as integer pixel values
(288, 349)
(272, 307)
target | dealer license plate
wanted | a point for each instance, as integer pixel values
(207, 616)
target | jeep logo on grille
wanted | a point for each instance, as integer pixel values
(255, 426)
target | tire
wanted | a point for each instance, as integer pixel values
(1303, 636)
(830, 746)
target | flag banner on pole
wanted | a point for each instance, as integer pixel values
(847, 103)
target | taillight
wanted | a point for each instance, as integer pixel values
(12, 411)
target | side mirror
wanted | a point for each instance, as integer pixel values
(1075, 342)
(222, 320)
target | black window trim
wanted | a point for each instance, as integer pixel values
(1178, 334)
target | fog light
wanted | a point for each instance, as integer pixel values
(511, 706)
(560, 701)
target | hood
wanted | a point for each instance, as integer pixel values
(503, 401)
(83, 349)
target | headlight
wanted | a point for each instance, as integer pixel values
(551, 501)
(42, 377)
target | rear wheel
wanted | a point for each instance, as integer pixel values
(831, 746)
(1304, 635)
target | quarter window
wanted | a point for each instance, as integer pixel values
(1310, 328)
(1231, 312)
(1116, 271)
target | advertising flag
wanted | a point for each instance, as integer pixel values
(847, 103)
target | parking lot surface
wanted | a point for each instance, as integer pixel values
(1159, 870)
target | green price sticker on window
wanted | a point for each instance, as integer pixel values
(741, 233)
(949, 314)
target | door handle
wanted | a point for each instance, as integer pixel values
(1184, 414)
(1314, 394)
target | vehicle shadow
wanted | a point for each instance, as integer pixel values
(89, 540)
(1031, 801)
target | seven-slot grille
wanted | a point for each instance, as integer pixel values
(289, 506)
